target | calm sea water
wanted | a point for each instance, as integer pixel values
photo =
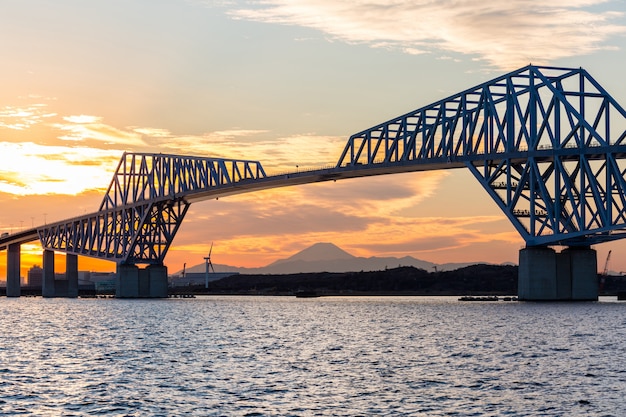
(338, 356)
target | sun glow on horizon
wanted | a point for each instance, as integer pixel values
(28, 168)
(67, 155)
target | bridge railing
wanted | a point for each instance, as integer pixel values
(300, 170)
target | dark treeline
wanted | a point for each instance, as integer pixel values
(471, 280)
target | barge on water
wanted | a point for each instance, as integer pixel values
(486, 298)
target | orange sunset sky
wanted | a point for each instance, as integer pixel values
(285, 82)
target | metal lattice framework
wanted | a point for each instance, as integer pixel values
(144, 206)
(149, 177)
(140, 233)
(548, 144)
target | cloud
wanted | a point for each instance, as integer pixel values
(23, 117)
(281, 216)
(252, 241)
(382, 196)
(83, 119)
(28, 168)
(153, 132)
(506, 34)
(83, 127)
(282, 154)
(36, 154)
(265, 225)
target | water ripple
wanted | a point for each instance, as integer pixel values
(395, 356)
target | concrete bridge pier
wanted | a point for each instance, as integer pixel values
(51, 287)
(545, 275)
(71, 275)
(14, 288)
(133, 282)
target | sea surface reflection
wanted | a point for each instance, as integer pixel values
(323, 356)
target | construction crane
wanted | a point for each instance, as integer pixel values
(605, 272)
(606, 264)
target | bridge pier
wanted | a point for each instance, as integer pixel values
(545, 275)
(14, 288)
(51, 287)
(71, 275)
(133, 282)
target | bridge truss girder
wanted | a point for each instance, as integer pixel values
(563, 199)
(548, 144)
(146, 177)
(135, 234)
(144, 206)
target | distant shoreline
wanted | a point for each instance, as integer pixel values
(474, 280)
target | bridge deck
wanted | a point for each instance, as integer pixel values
(301, 177)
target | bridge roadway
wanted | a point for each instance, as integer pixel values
(299, 177)
(541, 141)
(347, 171)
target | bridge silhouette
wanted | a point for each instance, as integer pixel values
(547, 144)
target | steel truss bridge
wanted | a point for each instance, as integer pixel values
(547, 144)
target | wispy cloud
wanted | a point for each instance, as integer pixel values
(82, 128)
(302, 225)
(28, 168)
(82, 119)
(381, 196)
(263, 225)
(21, 118)
(276, 154)
(63, 154)
(506, 34)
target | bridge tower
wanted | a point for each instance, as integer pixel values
(141, 213)
(547, 144)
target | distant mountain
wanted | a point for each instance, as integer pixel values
(327, 257)
(317, 252)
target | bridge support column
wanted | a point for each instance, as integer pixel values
(158, 281)
(132, 282)
(537, 274)
(14, 288)
(52, 287)
(47, 281)
(127, 281)
(71, 275)
(584, 273)
(545, 275)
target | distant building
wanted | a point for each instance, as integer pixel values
(197, 278)
(85, 278)
(101, 276)
(105, 287)
(35, 276)
(104, 282)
